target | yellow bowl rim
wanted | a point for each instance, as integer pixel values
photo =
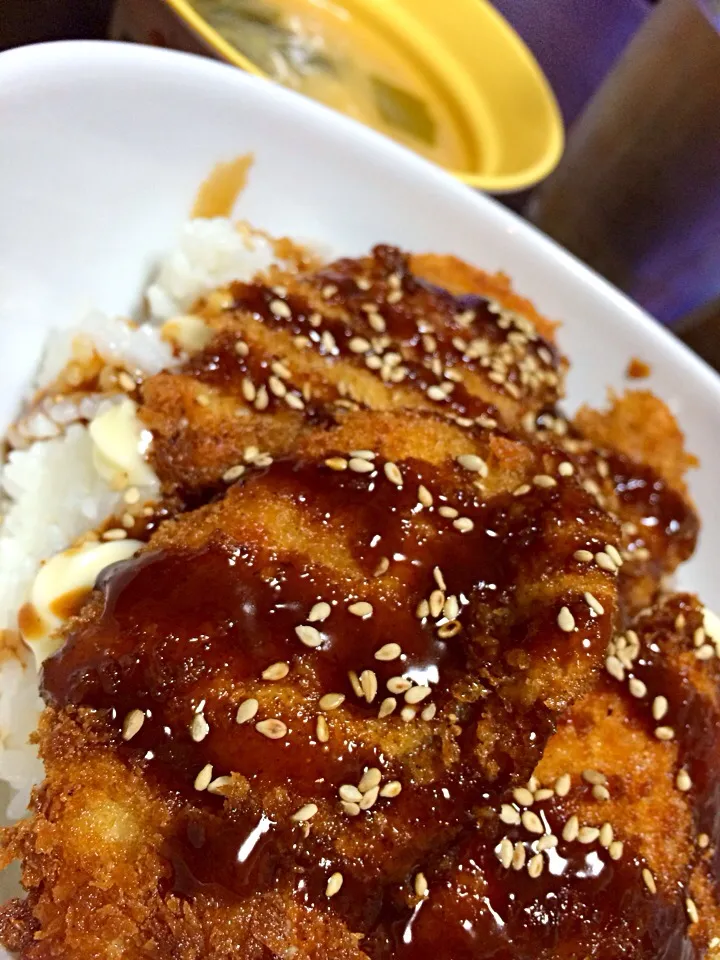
(502, 183)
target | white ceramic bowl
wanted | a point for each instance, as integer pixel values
(102, 147)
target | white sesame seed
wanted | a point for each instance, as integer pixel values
(706, 652)
(544, 481)
(544, 794)
(436, 393)
(594, 603)
(421, 885)
(322, 731)
(683, 781)
(392, 472)
(588, 834)
(614, 554)
(398, 684)
(359, 345)
(532, 822)
(336, 463)
(565, 620)
(310, 636)
(319, 612)
(664, 733)
(371, 778)
(219, 784)
(521, 490)
(331, 701)
(692, 910)
(637, 688)
(535, 867)
(241, 348)
(363, 454)
(199, 728)
(369, 684)
(533, 783)
(424, 496)
(369, 798)
(659, 708)
(699, 636)
(615, 668)
(584, 556)
(276, 671)
(473, 463)
(294, 401)
(417, 694)
(361, 609)
(350, 793)
(305, 812)
(605, 562)
(547, 842)
(272, 729)
(523, 796)
(703, 841)
(519, 854)
(355, 684)
(509, 815)
(566, 469)
(563, 784)
(571, 829)
(451, 607)
(448, 512)
(334, 884)
(600, 792)
(391, 789)
(606, 835)
(116, 533)
(649, 880)
(388, 651)
(202, 780)
(247, 710)
(408, 713)
(131, 495)
(504, 852)
(437, 602)
(351, 809)
(594, 777)
(387, 707)
(262, 398)
(280, 309)
(357, 465)
(132, 724)
(422, 610)
(463, 524)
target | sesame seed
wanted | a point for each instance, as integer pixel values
(637, 688)
(448, 512)
(614, 554)
(600, 792)
(369, 798)
(615, 668)
(509, 815)
(692, 910)
(532, 822)
(294, 401)
(369, 684)
(533, 784)
(594, 603)
(350, 793)
(421, 885)
(351, 809)
(565, 620)
(649, 880)
(392, 472)
(262, 399)
(424, 496)
(584, 556)
(473, 463)
(331, 701)
(605, 562)
(699, 636)
(219, 784)
(389, 651)
(363, 454)
(305, 812)
(131, 495)
(437, 602)
(371, 778)
(547, 842)
(544, 481)
(523, 796)
(116, 533)
(588, 834)
(451, 607)
(664, 733)
(449, 629)
(566, 469)
(407, 714)
(310, 636)
(241, 348)
(334, 884)
(398, 684)
(382, 567)
(247, 710)
(422, 610)
(544, 794)
(436, 393)
(357, 465)
(132, 724)
(593, 777)
(563, 784)
(233, 473)
(199, 728)
(319, 612)
(272, 729)
(535, 867)
(322, 731)
(571, 829)
(703, 841)
(202, 780)
(519, 854)
(336, 463)
(521, 490)
(417, 694)
(276, 671)
(387, 707)
(463, 524)
(361, 609)
(504, 852)
(683, 781)
(706, 652)
(359, 345)
(355, 684)
(659, 708)
(391, 789)
(616, 849)
(280, 309)
(606, 835)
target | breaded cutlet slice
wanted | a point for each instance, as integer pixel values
(321, 679)
(611, 849)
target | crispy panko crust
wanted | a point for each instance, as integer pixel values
(366, 480)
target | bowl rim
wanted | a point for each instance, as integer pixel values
(20, 64)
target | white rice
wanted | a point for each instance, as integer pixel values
(53, 492)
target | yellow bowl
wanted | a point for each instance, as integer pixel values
(500, 100)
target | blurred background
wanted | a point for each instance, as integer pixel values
(599, 120)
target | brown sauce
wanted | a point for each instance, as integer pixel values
(218, 193)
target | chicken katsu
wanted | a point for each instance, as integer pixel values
(394, 669)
